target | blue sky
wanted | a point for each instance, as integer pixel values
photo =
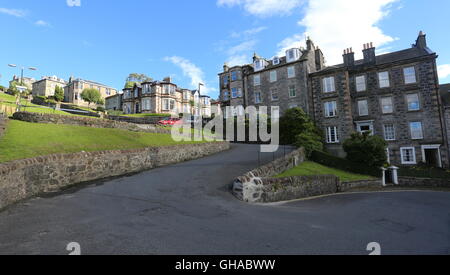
(104, 40)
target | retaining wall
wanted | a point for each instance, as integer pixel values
(139, 120)
(22, 179)
(423, 182)
(87, 122)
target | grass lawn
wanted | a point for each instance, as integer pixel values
(309, 168)
(9, 100)
(25, 140)
(147, 115)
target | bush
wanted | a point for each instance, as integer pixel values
(295, 122)
(310, 141)
(344, 164)
(365, 148)
(424, 172)
(100, 109)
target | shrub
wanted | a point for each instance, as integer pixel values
(100, 109)
(59, 94)
(424, 172)
(295, 122)
(365, 148)
(310, 141)
(344, 164)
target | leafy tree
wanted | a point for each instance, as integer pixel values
(295, 122)
(2, 88)
(13, 88)
(134, 78)
(59, 94)
(366, 148)
(91, 96)
(310, 141)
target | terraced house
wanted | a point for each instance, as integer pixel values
(280, 82)
(164, 97)
(394, 95)
(74, 88)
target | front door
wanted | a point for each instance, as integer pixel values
(432, 157)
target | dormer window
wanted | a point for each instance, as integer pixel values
(292, 55)
(259, 64)
(276, 61)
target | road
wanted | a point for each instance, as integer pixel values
(188, 209)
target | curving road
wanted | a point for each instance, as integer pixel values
(187, 209)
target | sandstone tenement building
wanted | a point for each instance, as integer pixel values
(394, 95)
(74, 88)
(47, 85)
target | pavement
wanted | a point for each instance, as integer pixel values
(187, 209)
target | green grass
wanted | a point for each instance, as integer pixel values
(148, 115)
(26, 140)
(9, 100)
(311, 169)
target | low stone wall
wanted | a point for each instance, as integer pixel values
(347, 186)
(138, 120)
(23, 179)
(423, 182)
(87, 122)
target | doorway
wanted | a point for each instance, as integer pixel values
(432, 155)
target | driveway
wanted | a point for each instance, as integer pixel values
(188, 209)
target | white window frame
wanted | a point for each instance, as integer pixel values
(391, 105)
(384, 82)
(435, 147)
(272, 92)
(257, 80)
(405, 162)
(385, 126)
(360, 109)
(361, 86)
(361, 124)
(330, 136)
(291, 71)
(328, 111)
(410, 77)
(295, 91)
(276, 61)
(258, 99)
(412, 133)
(418, 102)
(328, 84)
(273, 76)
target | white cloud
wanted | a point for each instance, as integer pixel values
(42, 23)
(264, 8)
(192, 71)
(73, 3)
(237, 60)
(242, 47)
(247, 33)
(13, 12)
(444, 71)
(338, 24)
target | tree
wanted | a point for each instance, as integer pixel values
(366, 148)
(59, 94)
(13, 88)
(134, 78)
(91, 96)
(310, 141)
(295, 122)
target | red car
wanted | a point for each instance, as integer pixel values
(169, 121)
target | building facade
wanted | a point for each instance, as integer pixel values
(164, 97)
(445, 96)
(395, 96)
(27, 81)
(280, 82)
(47, 85)
(74, 88)
(114, 102)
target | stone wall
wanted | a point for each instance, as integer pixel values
(87, 122)
(348, 186)
(138, 120)
(23, 179)
(423, 182)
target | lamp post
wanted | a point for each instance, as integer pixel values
(22, 69)
(21, 88)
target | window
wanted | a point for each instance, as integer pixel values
(166, 89)
(387, 105)
(257, 80)
(146, 104)
(413, 102)
(328, 84)
(259, 64)
(389, 132)
(408, 155)
(274, 94)
(291, 72)
(257, 97)
(225, 80)
(292, 91)
(186, 108)
(383, 79)
(226, 95)
(330, 109)
(361, 83)
(234, 76)
(292, 105)
(166, 104)
(172, 90)
(332, 135)
(185, 95)
(292, 55)
(276, 61)
(365, 127)
(410, 75)
(236, 92)
(363, 108)
(416, 130)
(273, 76)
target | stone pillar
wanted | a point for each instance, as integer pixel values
(394, 170)
(383, 180)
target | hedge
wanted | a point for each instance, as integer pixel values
(346, 165)
(425, 172)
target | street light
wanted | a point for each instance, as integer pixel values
(21, 88)
(22, 69)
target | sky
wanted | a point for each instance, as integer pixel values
(190, 40)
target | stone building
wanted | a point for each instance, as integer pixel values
(74, 88)
(280, 82)
(47, 85)
(27, 81)
(114, 102)
(445, 96)
(394, 95)
(164, 97)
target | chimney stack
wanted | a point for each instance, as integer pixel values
(320, 59)
(349, 57)
(226, 68)
(369, 53)
(421, 41)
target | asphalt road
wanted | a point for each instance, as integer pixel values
(188, 209)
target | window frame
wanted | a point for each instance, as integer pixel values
(257, 83)
(259, 97)
(418, 102)
(364, 81)
(271, 74)
(388, 80)
(367, 107)
(272, 92)
(394, 133)
(291, 69)
(382, 106)
(404, 161)
(405, 75)
(329, 135)
(325, 85)
(422, 135)
(327, 110)
(290, 90)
